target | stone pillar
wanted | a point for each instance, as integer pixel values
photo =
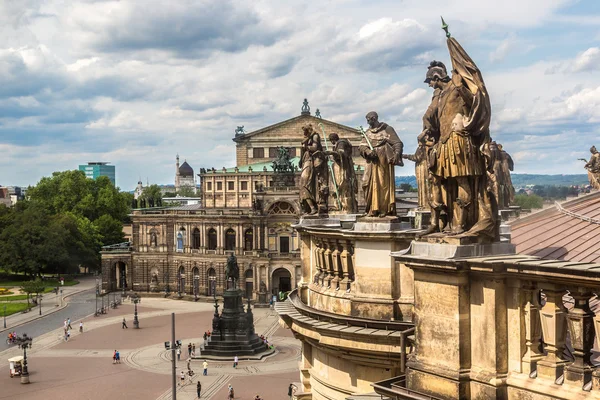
(533, 329)
(344, 256)
(323, 272)
(335, 265)
(554, 327)
(305, 366)
(581, 327)
(328, 266)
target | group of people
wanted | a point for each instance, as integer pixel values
(266, 342)
(12, 337)
(116, 357)
(206, 336)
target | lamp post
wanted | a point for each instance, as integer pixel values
(4, 315)
(40, 303)
(24, 342)
(123, 281)
(136, 322)
(196, 283)
(97, 292)
(61, 297)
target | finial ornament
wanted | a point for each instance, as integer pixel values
(318, 114)
(305, 108)
(445, 28)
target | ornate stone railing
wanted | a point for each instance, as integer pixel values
(524, 327)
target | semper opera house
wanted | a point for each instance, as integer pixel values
(245, 210)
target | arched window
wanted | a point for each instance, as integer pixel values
(212, 282)
(281, 208)
(179, 241)
(212, 239)
(248, 239)
(196, 278)
(229, 239)
(181, 280)
(196, 238)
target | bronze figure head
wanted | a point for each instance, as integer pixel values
(373, 119)
(436, 72)
(333, 138)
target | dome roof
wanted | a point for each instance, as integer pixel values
(186, 170)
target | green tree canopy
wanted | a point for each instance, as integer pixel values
(529, 201)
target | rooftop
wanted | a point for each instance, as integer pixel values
(568, 231)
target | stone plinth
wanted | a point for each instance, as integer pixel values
(385, 224)
(456, 250)
(422, 219)
(319, 220)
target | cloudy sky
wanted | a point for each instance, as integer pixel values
(135, 82)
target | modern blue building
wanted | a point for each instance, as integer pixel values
(95, 169)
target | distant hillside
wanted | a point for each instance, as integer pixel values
(521, 180)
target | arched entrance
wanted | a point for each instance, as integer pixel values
(118, 279)
(249, 275)
(281, 281)
(196, 277)
(181, 280)
(211, 289)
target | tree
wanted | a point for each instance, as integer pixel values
(152, 195)
(406, 187)
(33, 287)
(529, 201)
(170, 194)
(186, 191)
(110, 230)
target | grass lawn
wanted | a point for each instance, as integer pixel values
(13, 308)
(49, 283)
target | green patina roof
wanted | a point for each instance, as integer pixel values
(258, 167)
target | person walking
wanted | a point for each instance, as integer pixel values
(118, 356)
(115, 357)
(81, 327)
(205, 366)
(69, 323)
(291, 390)
(124, 325)
(193, 349)
(182, 377)
(189, 350)
(65, 325)
(198, 388)
(68, 334)
(205, 337)
(188, 364)
(230, 392)
(235, 361)
(178, 354)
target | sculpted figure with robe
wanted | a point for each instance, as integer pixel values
(382, 149)
(313, 178)
(422, 170)
(458, 119)
(593, 168)
(344, 174)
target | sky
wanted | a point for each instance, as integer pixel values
(134, 83)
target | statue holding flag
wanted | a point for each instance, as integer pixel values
(458, 119)
(382, 149)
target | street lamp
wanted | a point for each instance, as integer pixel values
(97, 292)
(4, 315)
(136, 322)
(24, 342)
(40, 303)
(196, 282)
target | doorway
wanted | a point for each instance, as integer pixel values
(281, 281)
(284, 244)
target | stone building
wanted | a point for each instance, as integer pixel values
(247, 210)
(184, 176)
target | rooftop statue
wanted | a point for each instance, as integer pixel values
(382, 149)
(240, 131)
(422, 169)
(313, 178)
(458, 120)
(343, 173)
(283, 163)
(593, 168)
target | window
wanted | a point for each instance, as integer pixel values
(231, 185)
(284, 244)
(208, 185)
(281, 207)
(270, 183)
(248, 236)
(258, 152)
(229, 239)
(243, 185)
(219, 185)
(273, 152)
(196, 239)
(179, 241)
(212, 239)
(292, 152)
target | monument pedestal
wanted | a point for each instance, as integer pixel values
(422, 219)
(233, 331)
(331, 221)
(455, 247)
(377, 224)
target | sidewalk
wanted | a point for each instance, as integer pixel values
(50, 303)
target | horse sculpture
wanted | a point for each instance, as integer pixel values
(232, 270)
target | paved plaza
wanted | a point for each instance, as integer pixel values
(82, 368)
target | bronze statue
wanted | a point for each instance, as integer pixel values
(232, 270)
(458, 119)
(422, 169)
(507, 165)
(263, 287)
(343, 173)
(593, 168)
(313, 178)
(382, 149)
